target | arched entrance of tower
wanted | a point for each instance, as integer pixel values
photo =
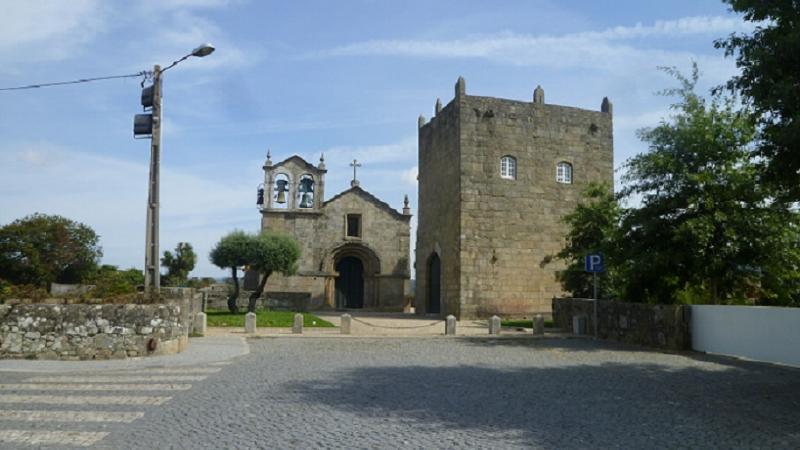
(434, 304)
(355, 268)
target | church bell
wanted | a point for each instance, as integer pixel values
(281, 190)
(306, 201)
(306, 185)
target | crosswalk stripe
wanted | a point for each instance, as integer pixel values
(70, 416)
(172, 370)
(84, 399)
(93, 387)
(71, 438)
(119, 379)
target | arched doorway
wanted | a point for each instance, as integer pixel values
(434, 285)
(350, 283)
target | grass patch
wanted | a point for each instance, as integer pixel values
(525, 323)
(264, 318)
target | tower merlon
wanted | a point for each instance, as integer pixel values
(538, 95)
(421, 121)
(438, 107)
(607, 106)
(461, 87)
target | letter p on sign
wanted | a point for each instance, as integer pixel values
(594, 263)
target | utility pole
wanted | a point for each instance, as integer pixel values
(149, 126)
(152, 272)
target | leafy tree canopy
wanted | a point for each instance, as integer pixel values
(707, 225)
(593, 228)
(271, 253)
(706, 228)
(40, 249)
(232, 252)
(769, 61)
(179, 264)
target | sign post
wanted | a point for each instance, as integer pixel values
(595, 265)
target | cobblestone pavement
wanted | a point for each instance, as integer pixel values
(422, 393)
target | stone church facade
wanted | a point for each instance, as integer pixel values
(355, 247)
(495, 178)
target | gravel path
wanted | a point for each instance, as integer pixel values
(459, 393)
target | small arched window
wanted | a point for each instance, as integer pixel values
(564, 172)
(508, 167)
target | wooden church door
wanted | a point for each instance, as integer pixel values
(350, 283)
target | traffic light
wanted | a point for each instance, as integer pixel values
(143, 123)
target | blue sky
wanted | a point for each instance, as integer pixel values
(347, 78)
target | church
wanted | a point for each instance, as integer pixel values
(355, 247)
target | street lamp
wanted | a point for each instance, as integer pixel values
(149, 125)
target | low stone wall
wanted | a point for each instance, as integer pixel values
(278, 301)
(662, 326)
(74, 332)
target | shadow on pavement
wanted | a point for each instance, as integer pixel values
(569, 404)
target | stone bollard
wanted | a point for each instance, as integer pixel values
(250, 322)
(494, 325)
(297, 325)
(200, 323)
(579, 324)
(538, 325)
(450, 325)
(346, 321)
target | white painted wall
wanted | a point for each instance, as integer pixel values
(762, 333)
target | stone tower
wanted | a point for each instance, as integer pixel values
(495, 178)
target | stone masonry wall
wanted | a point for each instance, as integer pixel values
(661, 326)
(90, 331)
(438, 223)
(509, 227)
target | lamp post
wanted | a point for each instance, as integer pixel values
(151, 96)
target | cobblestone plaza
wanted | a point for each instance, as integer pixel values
(420, 392)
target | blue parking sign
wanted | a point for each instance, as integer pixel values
(594, 263)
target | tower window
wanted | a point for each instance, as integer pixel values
(564, 172)
(508, 167)
(354, 225)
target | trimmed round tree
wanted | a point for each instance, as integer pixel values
(272, 253)
(233, 252)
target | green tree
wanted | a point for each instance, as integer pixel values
(707, 226)
(769, 79)
(40, 249)
(594, 227)
(272, 253)
(111, 281)
(179, 264)
(233, 252)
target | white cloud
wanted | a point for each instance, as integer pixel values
(409, 176)
(404, 150)
(47, 30)
(183, 31)
(607, 50)
(110, 194)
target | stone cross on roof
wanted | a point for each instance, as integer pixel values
(355, 165)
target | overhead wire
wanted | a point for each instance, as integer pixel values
(144, 73)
